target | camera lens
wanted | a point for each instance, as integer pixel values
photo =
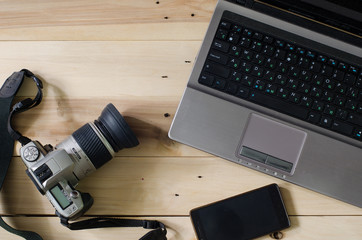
(107, 135)
(115, 129)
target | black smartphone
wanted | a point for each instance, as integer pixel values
(245, 216)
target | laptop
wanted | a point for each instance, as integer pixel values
(277, 87)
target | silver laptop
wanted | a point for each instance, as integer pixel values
(277, 87)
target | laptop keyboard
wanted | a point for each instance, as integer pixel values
(287, 78)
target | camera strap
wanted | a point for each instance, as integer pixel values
(7, 94)
(8, 135)
(159, 232)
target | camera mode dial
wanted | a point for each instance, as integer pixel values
(31, 153)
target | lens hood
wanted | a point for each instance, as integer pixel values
(115, 129)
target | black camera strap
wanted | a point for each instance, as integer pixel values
(159, 232)
(8, 135)
(7, 94)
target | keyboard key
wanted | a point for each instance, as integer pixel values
(353, 69)
(294, 97)
(311, 54)
(306, 101)
(330, 110)
(350, 79)
(343, 128)
(326, 122)
(225, 24)
(247, 55)
(341, 114)
(247, 81)
(355, 119)
(339, 101)
(351, 104)
(245, 42)
(342, 66)
(258, 59)
(259, 84)
(235, 51)
(256, 46)
(222, 34)
(232, 88)
(218, 70)
(304, 88)
(338, 75)
(268, 50)
(234, 63)
(322, 58)
(329, 84)
(246, 67)
(206, 79)
(233, 38)
(271, 89)
(218, 57)
(247, 32)
(315, 67)
(314, 117)
(257, 71)
(258, 36)
(318, 105)
(235, 76)
(328, 96)
(332, 62)
(237, 29)
(243, 92)
(219, 83)
(268, 39)
(283, 93)
(278, 105)
(221, 46)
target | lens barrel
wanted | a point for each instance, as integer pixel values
(109, 130)
(115, 129)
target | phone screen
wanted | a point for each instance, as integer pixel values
(245, 216)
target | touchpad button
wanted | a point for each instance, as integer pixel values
(272, 143)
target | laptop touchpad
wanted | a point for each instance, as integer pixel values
(271, 144)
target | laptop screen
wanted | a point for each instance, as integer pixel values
(345, 15)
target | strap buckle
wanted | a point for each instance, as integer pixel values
(150, 224)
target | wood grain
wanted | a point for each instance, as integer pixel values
(103, 69)
(137, 55)
(105, 20)
(167, 186)
(311, 228)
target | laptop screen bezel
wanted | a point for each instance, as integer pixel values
(314, 18)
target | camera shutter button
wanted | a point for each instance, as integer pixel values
(74, 194)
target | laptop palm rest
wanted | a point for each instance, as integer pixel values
(271, 144)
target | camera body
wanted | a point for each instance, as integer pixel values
(57, 171)
(52, 172)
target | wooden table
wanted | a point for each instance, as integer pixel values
(137, 55)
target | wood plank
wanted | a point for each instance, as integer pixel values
(150, 31)
(103, 69)
(164, 186)
(180, 228)
(105, 20)
(28, 13)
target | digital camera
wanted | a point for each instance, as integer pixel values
(57, 171)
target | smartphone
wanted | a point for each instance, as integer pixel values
(245, 216)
